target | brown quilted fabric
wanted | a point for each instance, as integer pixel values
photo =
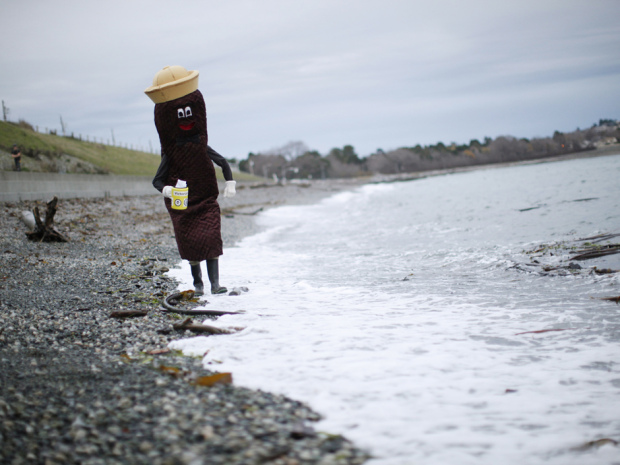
(197, 229)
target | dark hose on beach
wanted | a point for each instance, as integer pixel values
(168, 304)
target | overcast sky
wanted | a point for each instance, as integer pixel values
(369, 73)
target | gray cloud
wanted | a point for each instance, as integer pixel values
(329, 72)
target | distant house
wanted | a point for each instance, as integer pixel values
(606, 141)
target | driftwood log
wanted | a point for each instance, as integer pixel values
(540, 331)
(199, 328)
(600, 237)
(128, 313)
(45, 232)
(596, 252)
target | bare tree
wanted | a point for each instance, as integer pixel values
(289, 151)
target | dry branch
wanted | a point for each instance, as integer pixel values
(596, 252)
(199, 328)
(540, 331)
(128, 313)
(232, 211)
(600, 237)
(45, 232)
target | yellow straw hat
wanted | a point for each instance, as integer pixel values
(172, 82)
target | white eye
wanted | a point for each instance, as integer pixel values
(188, 112)
(180, 113)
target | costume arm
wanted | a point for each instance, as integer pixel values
(221, 162)
(159, 181)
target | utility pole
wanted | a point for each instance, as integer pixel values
(62, 125)
(113, 141)
(5, 111)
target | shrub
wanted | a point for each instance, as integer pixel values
(25, 125)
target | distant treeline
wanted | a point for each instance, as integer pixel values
(295, 160)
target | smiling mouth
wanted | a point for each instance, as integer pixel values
(186, 127)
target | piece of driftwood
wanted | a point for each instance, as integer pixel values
(540, 331)
(199, 328)
(600, 237)
(611, 299)
(596, 444)
(232, 211)
(596, 252)
(128, 313)
(45, 232)
(170, 302)
(165, 350)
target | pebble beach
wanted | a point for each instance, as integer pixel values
(78, 385)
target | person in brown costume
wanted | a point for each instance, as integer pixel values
(181, 122)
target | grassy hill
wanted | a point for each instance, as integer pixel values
(53, 153)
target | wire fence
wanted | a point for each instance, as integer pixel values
(109, 141)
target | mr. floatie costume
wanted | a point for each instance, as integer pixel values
(181, 121)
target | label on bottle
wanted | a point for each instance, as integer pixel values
(179, 198)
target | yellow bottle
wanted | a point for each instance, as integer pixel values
(180, 194)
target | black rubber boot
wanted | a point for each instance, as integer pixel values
(214, 277)
(199, 288)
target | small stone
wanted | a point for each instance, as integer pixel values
(117, 449)
(145, 446)
(207, 432)
(238, 291)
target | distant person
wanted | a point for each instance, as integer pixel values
(17, 156)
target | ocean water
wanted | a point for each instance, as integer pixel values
(395, 311)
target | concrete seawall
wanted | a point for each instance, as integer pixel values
(16, 186)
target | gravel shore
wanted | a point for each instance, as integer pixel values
(79, 386)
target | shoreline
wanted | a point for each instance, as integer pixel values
(239, 212)
(401, 177)
(43, 185)
(78, 386)
(298, 193)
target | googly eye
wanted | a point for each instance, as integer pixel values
(188, 112)
(180, 113)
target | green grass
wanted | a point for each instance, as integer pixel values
(115, 160)
(12, 134)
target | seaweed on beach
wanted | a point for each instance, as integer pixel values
(596, 256)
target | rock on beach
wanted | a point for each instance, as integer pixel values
(77, 386)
